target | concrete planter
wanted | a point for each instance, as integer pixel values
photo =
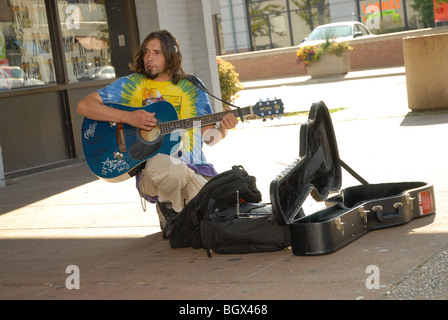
(426, 64)
(330, 65)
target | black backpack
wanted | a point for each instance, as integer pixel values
(226, 216)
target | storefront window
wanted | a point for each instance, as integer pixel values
(312, 12)
(300, 21)
(283, 23)
(269, 24)
(25, 49)
(382, 17)
(280, 35)
(85, 35)
(310, 15)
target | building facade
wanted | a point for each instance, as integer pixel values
(55, 52)
(253, 25)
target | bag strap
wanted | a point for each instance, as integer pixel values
(353, 172)
(209, 234)
(201, 86)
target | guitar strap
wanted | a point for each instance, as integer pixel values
(199, 84)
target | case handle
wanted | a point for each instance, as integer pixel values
(387, 217)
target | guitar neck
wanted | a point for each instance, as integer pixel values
(170, 126)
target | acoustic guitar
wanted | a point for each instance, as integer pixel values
(113, 150)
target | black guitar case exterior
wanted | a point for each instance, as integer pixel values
(350, 213)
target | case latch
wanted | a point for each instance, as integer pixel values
(409, 200)
(363, 213)
(339, 225)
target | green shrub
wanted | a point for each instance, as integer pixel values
(336, 48)
(228, 80)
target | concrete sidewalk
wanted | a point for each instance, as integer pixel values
(67, 217)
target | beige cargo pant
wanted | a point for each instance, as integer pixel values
(171, 180)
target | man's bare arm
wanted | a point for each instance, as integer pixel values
(92, 107)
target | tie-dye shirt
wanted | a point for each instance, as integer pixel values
(136, 90)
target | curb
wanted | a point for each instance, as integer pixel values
(305, 80)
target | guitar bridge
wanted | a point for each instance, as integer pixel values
(121, 141)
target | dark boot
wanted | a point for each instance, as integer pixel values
(167, 215)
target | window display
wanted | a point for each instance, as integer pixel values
(26, 57)
(25, 49)
(85, 35)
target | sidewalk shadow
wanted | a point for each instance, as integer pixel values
(147, 267)
(24, 190)
(425, 118)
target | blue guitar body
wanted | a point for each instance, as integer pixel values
(112, 150)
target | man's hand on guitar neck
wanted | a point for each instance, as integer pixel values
(229, 121)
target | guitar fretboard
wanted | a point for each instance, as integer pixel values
(196, 122)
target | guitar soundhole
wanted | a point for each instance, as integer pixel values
(149, 136)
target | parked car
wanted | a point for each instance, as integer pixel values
(339, 31)
(105, 72)
(14, 77)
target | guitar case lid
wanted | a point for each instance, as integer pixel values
(316, 172)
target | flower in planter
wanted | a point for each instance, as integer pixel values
(309, 54)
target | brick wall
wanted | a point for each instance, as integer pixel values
(376, 52)
(251, 67)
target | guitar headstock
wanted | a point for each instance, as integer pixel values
(268, 108)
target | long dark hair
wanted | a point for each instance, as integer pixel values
(171, 52)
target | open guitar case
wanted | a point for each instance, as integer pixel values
(349, 213)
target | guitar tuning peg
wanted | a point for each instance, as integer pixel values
(279, 117)
(271, 117)
(268, 99)
(264, 119)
